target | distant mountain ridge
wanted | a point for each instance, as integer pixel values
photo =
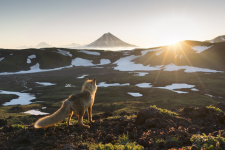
(192, 54)
(109, 40)
(217, 39)
(43, 45)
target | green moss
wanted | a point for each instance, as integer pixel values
(164, 111)
(214, 108)
(123, 143)
(18, 126)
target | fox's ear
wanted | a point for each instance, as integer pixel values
(94, 81)
(86, 79)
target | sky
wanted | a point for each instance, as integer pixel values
(145, 23)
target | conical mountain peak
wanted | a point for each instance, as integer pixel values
(109, 40)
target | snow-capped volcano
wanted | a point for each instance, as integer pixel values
(108, 40)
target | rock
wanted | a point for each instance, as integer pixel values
(123, 113)
(221, 106)
(3, 122)
(193, 129)
(110, 138)
(96, 117)
(69, 147)
(194, 147)
(144, 114)
(107, 114)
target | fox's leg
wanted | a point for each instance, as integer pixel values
(69, 117)
(80, 119)
(89, 114)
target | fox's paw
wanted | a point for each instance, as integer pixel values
(86, 126)
(91, 121)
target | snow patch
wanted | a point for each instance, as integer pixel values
(141, 74)
(23, 99)
(159, 53)
(65, 53)
(200, 49)
(30, 57)
(104, 84)
(194, 89)
(2, 58)
(209, 95)
(144, 85)
(35, 112)
(104, 61)
(188, 69)
(135, 94)
(176, 86)
(45, 83)
(150, 50)
(126, 64)
(34, 69)
(69, 85)
(82, 62)
(81, 77)
(90, 52)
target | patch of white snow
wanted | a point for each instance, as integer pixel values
(159, 53)
(45, 83)
(23, 99)
(176, 86)
(2, 58)
(135, 94)
(35, 112)
(81, 77)
(104, 61)
(104, 84)
(200, 49)
(144, 85)
(141, 74)
(69, 85)
(82, 62)
(90, 52)
(188, 69)
(30, 57)
(65, 53)
(150, 50)
(126, 64)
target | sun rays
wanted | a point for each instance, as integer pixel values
(178, 54)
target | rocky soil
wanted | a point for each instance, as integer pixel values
(151, 129)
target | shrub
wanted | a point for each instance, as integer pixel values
(207, 142)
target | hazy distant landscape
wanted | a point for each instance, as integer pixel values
(35, 81)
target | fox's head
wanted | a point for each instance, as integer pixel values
(90, 85)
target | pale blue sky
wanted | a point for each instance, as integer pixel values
(139, 22)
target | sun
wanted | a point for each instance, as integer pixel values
(172, 40)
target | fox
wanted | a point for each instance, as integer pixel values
(75, 104)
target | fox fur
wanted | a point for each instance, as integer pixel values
(75, 103)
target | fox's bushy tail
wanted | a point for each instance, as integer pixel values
(56, 117)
